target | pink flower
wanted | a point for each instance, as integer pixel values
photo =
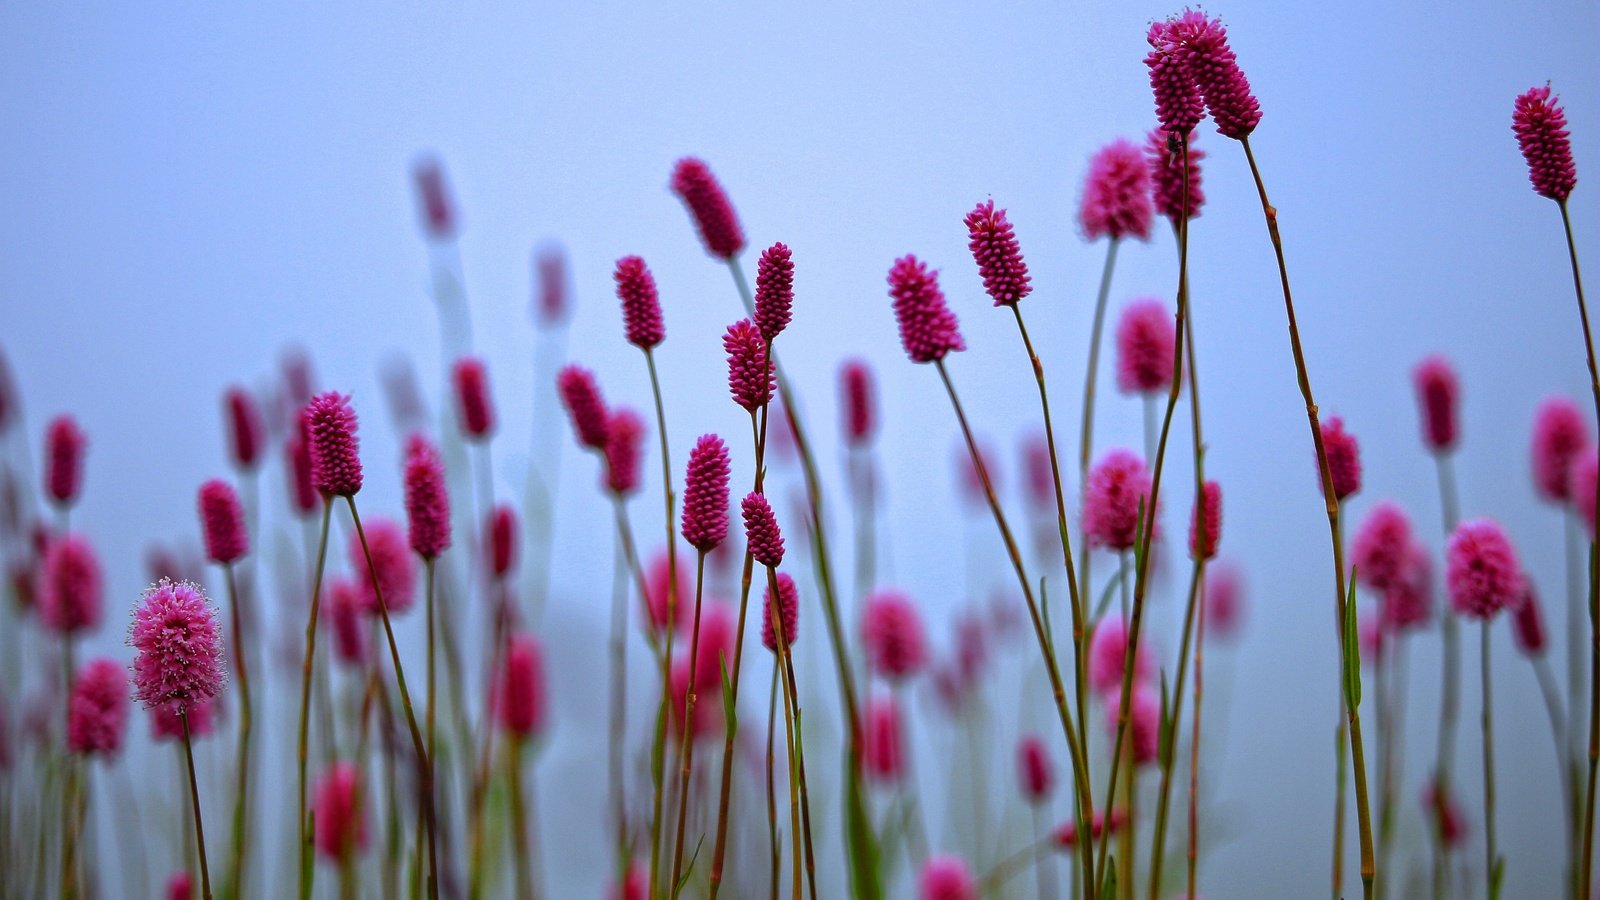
(1211, 508)
(892, 634)
(348, 609)
(1224, 601)
(1144, 724)
(433, 194)
(69, 589)
(749, 368)
(1201, 43)
(1482, 570)
(335, 450)
(1560, 435)
(501, 545)
(641, 305)
(180, 886)
(179, 647)
(928, 329)
(636, 886)
(1166, 177)
(1541, 129)
(1116, 196)
(521, 709)
(581, 395)
(244, 429)
(1583, 477)
(1146, 333)
(705, 494)
(708, 204)
(98, 714)
(761, 530)
(774, 290)
(165, 724)
(1379, 549)
(947, 878)
(788, 610)
(474, 409)
(297, 459)
(624, 434)
(222, 521)
(656, 603)
(1108, 653)
(994, 248)
(1034, 768)
(1179, 106)
(1438, 391)
(1066, 835)
(63, 460)
(1117, 485)
(1344, 458)
(427, 499)
(1527, 623)
(1450, 820)
(882, 750)
(391, 559)
(1408, 600)
(857, 399)
(554, 303)
(341, 821)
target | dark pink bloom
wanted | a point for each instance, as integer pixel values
(624, 434)
(502, 540)
(581, 395)
(1116, 195)
(433, 195)
(1541, 129)
(427, 499)
(718, 631)
(1344, 458)
(774, 290)
(1144, 723)
(708, 204)
(641, 305)
(222, 521)
(947, 878)
(994, 247)
(1146, 333)
(1408, 600)
(882, 749)
(179, 647)
(69, 589)
(1438, 393)
(1379, 548)
(180, 886)
(522, 689)
(1201, 43)
(656, 576)
(1117, 486)
(1224, 601)
(761, 530)
(554, 301)
(297, 471)
(891, 630)
(788, 610)
(244, 429)
(1211, 506)
(1166, 177)
(636, 886)
(1108, 654)
(348, 611)
(341, 821)
(392, 560)
(1448, 816)
(860, 408)
(928, 329)
(98, 714)
(63, 460)
(474, 409)
(1037, 472)
(335, 450)
(1583, 478)
(1527, 622)
(749, 368)
(1560, 435)
(1034, 769)
(1179, 106)
(705, 494)
(165, 724)
(1482, 570)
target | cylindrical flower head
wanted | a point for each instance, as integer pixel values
(244, 429)
(1344, 458)
(761, 530)
(180, 887)
(222, 521)
(788, 609)
(750, 377)
(1224, 601)
(1541, 129)
(297, 465)
(502, 543)
(891, 630)
(581, 395)
(1209, 512)
(1527, 623)
(774, 290)
(948, 878)
(660, 592)
(553, 302)
(1179, 106)
(1144, 723)
(858, 400)
(433, 196)
(1560, 435)
(427, 499)
(1166, 177)
(705, 494)
(348, 611)
(928, 329)
(167, 726)
(634, 886)
(1437, 396)
(994, 247)
(1408, 601)
(1116, 195)
(708, 204)
(391, 557)
(341, 821)
(474, 409)
(335, 450)
(1034, 769)
(882, 751)
(1581, 487)
(624, 434)
(1379, 549)
(1482, 570)
(69, 590)
(1146, 334)
(98, 714)
(1202, 45)
(522, 690)
(641, 305)
(1117, 485)
(179, 647)
(63, 460)
(1108, 653)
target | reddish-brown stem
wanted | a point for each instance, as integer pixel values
(241, 818)
(786, 657)
(1450, 703)
(1194, 741)
(305, 698)
(686, 750)
(519, 819)
(194, 797)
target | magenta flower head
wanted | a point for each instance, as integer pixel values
(335, 450)
(1224, 601)
(713, 214)
(1448, 816)
(244, 429)
(788, 610)
(1380, 546)
(624, 434)
(641, 305)
(433, 198)
(882, 750)
(69, 589)
(1527, 623)
(749, 368)
(1438, 393)
(180, 886)
(891, 629)
(1117, 485)
(1541, 129)
(297, 459)
(660, 593)
(1144, 723)
(1408, 600)
(1482, 570)
(947, 878)
(1034, 769)
(222, 520)
(1179, 106)
(63, 460)
(1108, 652)
(774, 290)
(1146, 333)
(501, 549)
(1582, 480)
(705, 494)
(427, 499)
(1201, 43)
(994, 248)
(179, 647)
(761, 530)
(341, 821)
(858, 400)
(1166, 177)
(1560, 435)
(581, 395)
(166, 725)
(718, 633)
(392, 560)
(522, 690)
(98, 714)
(928, 329)
(553, 301)
(474, 409)
(1344, 458)
(1116, 195)
(348, 608)
(1208, 512)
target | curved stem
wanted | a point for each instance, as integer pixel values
(194, 797)
(1558, 731)
(305, 698)
(786, 657)
(658, 756)
(686, 750)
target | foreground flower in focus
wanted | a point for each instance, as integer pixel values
(179, 647)
(1541, 129)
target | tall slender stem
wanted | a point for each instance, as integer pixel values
(241, 817)
(790, 711)
(1194, 741)
(1158, 847)
(1086, 443)
(774, 847)
(619, 695)
(423, 834)
(1564, 772)
(519, 819)
(657, 756)
(1491, 850)
(686, 749)
(69, 785)
(305, 699)
(194, 797)
(1450, 701)
(786, 658)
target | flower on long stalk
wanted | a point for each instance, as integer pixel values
(427, 499)
(391, 558)
(341, 829)
(1438, 396)
(1541, 128)
(1146, 333)
(580, 393)
(1560, 436)
(1380, 546)
(774, 290)
(882, 744)
(63, 460)
(335, 449)
(474, 408)
(244, 429)
(947, 878)
(750, 373)
(709, 206)
(1344, 458)
(1200, 43)
(222, 521)
(928, 329)
(891, 632)
(1483, 573)
(858, 402)
(1118, 486)
(705, 494)
(1035, 772)
(70, 586)
(624, 437)
(98, 713)
(1205, 523)
(520, 704)
(1168, 186)
(788, 603)
(1116, 194)
(1407, 601)
(179, 647)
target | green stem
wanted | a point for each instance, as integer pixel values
(1450, 702)
(241, 815)
(519, 821)
(1491, 851)
(194, 797)
(686, 749)
(305, 699)
(786, 658)
(658, 756)
(424, 834)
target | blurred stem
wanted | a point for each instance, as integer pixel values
(774, 846)
(1450, 702)
(423, 836)
(619, 688)
(305, 694)
(519, 820)
(69, 786)
(786, 658)
(1564, 771)
(241, 842)
(785, 675)
(1194, 741)
(686, 749)
(1491, 850)
(658, 756)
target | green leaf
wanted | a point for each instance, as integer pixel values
(730, 713)
(308, 870)
(1496, 875)
(1164, 742)
(1352, 649)
(1044, 605)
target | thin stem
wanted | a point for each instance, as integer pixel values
(305, 698)
(686, 749)
(619, 695)
(519, 820)
(242, 788)
(1158, 847)
(423, 834)
(1491, 853)
(1450, 701)
(774, 846)
(1194, 741)
(789, 711)
(786, 657)
(1086, 453)
(657, 755)
(69, 786)
(1558, 730)
(194, 797)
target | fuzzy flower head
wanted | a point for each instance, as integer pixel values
(718, 633)
(179, 647)
(70, 586)
(553, 295)
(1344, 458)
(1560, 435)
(892, 633)
(98, 714)
(1448, 817)
(1034, 769)
(335, 450)
(63, 460)
(433, 199)
(661, 592)
(1438, 396)
(1146, 335)
(501, 544)
(858, 401)
(1108, 652)
(395, 567)
(1380, 546)
(1482, 570)
(180, 887)
(641, 305)
(474, 408)
(750, 375)
(1541, 129)
(761, 530)
(994, 248)
(928, 329)
(624, 436)
(1201, 45)
(1179, 106)
(1118, 485)
(521, 693)
(708, 204)
(1224, 601)
(1144, 724)
(1527, 623)
(882, 748)
(222, 521)
(705, 494)
(244, 429)
(774, 290)
(788, 602)
(427, 499)
(1116, 195)
(1209, 514)
(1408, 600)
(580, 393)
(341, 821)
(1166, 177)
(348, 611)
(947, 878)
